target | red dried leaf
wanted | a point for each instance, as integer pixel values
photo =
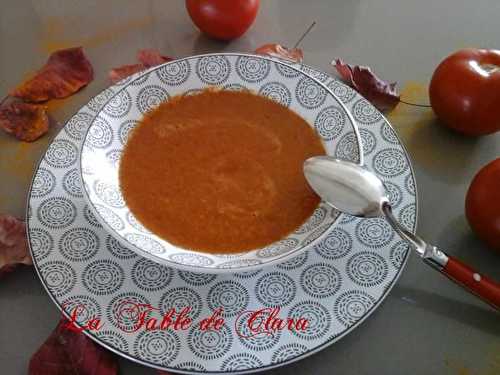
(344, 70)
(147, 59)
(65, 72)
(67, 352)
(151, 57)
(13, 244)
(117, 74)
(381, 94)
(277, 50)
(26, 122)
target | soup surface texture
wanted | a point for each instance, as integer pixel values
(220, 171)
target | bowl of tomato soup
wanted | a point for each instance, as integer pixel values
(197, 163)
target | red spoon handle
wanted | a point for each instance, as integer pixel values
(482, 286)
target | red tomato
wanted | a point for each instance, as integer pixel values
(223, 19)
(464, 91)
(482, 204)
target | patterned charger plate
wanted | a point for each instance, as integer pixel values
(335, 285)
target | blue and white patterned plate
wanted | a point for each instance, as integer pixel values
(106, 137)
(336, 284)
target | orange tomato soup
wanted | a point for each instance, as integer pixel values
(220, 171)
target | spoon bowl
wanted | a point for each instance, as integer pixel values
(346, 186)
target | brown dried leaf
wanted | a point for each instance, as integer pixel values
(277, 50)
(147, 59)
(13, 244)
(26, 122)
(381, 94)
(151, 57)
(65, 72)
(117, 74)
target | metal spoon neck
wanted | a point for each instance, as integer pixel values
(430, 254)
(419, 244)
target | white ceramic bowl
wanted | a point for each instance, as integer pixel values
(107, 136)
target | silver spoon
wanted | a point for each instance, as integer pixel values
(351, 189)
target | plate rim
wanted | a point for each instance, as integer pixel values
(303, 355)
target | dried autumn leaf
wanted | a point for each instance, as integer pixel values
(26, 122)
(381, 94)
(147, 59)
(277, 50)
(151, 57)
(344, 70)
(65, 72)
(117, 74)
(13, 244)
(67, 352)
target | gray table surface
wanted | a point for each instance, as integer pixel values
(427, 325)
